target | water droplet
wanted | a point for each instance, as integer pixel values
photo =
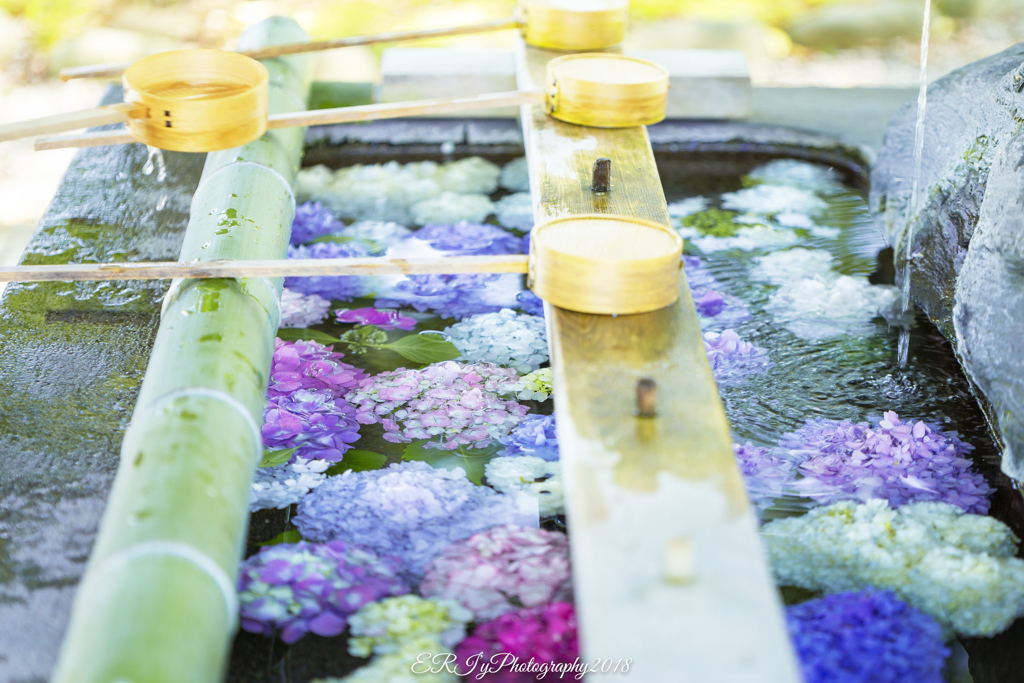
(155, 160)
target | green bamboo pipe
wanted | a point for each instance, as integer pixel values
(157, 603)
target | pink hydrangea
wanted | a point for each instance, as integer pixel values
(545, 634)
(496, 571)
(308, 365)
(452, 405)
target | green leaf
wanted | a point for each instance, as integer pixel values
(275, 458)
(473, 462)
(358, 461)
(295, 334)
(424, 348)
(290, 536)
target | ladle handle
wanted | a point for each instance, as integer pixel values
(72, 120)
(428, 265)
(319, 117)
(117, 68)
(395, 110)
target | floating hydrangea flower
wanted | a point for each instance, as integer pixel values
(309, 365)
(312, 421)
(284, 485)
(731, 358)
(381, 627)
(714, 308)
(312, 220)
(300, 310)
(388, 192)
(751, 238)
(536, 386)
(515, 175)
(505, 338)
(773, 199)
(452, 404)
(385, 320)
(502, 569)
(450, 207)
(866, 637)
(529, 302)
(515, 211)
(301, 588)
(797, 174)
(543, 634)
(782, 267)
(901, 462)
(409, 510)
(688, 207)
(387, 234)
(534, 476)
(333, 287)
(821, 307)
(765, 475)
(534, 436)
(959, 568)
(464, 238)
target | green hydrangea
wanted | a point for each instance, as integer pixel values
(536, 385)
(713, 222)
(384, 627)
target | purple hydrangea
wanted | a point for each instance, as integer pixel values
(716, 310)
(301, 588)
(455, 296)
(302, 310)
(312, 220)
(766, 476)
(731, 358)
(542, 634)
(385, 320)
(534, 436)
(900, 462)
(470, 239)
(530, 303)
(312, 421)
(409, 510)
(309, 365)
(453, 405)
(331, 287)
(866, 637)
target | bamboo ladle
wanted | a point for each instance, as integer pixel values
(208, 100)
(553, 24)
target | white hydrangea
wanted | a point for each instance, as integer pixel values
(772, 199)
(751, 238)
(532, 475)
(826, 306)
(688, 207)
(473, 175)
(507, 338)
(515, 175)
(386, 233)
(283, 485)
(302, 310)
(958, 567)
(781, 267)
(452, 207)
(515, 211)
(798, 174)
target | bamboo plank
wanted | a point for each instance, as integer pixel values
(76, 272)
(667, 562)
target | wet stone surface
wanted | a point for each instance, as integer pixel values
(72, 357)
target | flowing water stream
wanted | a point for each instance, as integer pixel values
(914, 203)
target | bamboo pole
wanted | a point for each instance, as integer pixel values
(157, 603)
(367, 112)
(78, 272)
(117, 68)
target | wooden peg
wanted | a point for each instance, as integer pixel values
(646, 397)
(602, 180)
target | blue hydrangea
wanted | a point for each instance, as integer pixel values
(530, 303)
(330, 287)
(470, 239)
(866, 637)
(312, 220)
(533, 436)
(409, 510)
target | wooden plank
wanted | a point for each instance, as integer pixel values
(668, 566)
